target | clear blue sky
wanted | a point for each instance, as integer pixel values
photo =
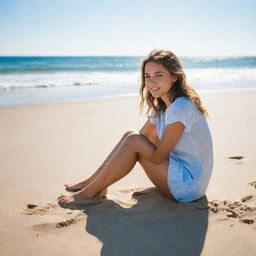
(127, 27)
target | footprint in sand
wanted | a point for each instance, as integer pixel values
(52, 225)
(236, 157)
(246, 198)
(253, 183)
(39, 209)
(234, 209)
(79, 216)
(65, 217)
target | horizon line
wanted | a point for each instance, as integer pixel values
(228, 55)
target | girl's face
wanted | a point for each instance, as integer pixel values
(158, 81)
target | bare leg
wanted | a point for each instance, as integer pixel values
(80, 185)
(130, 150)
(157, 173)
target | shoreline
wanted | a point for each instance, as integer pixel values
(128, 95)
(22, 97)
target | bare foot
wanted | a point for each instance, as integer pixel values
(70, 201)
(81, 185)
(77, 186)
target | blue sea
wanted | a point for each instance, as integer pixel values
(34, 80)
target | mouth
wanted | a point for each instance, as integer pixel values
(155, 89)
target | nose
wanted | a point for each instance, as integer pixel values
(151, 81)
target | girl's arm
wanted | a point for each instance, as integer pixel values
(149, 130)
(160, 152)
(171, 135)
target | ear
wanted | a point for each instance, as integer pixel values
(174, 78)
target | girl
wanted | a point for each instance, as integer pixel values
(174, 147)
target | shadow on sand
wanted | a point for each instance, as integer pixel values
(152, 225)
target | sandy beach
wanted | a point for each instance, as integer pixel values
(45, 146)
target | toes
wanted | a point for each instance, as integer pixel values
(62, 203)
(62, 199)
(65, 200)
(66, 203)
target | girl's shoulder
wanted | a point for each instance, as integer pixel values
(184, 106)
(180, 102)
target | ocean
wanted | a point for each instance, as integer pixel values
(36, 80)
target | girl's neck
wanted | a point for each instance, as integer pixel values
(167, 101)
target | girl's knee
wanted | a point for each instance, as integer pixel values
(131, 139)
(129, 132)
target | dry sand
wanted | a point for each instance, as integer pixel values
(44, 146)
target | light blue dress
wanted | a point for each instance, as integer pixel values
(191, 160)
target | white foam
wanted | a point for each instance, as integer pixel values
(114, 78)
(221, 74)
(67, 79)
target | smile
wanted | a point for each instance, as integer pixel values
(155, 89)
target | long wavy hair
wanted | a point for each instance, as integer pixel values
(179, 88)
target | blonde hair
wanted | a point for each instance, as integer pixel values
(179, 88)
